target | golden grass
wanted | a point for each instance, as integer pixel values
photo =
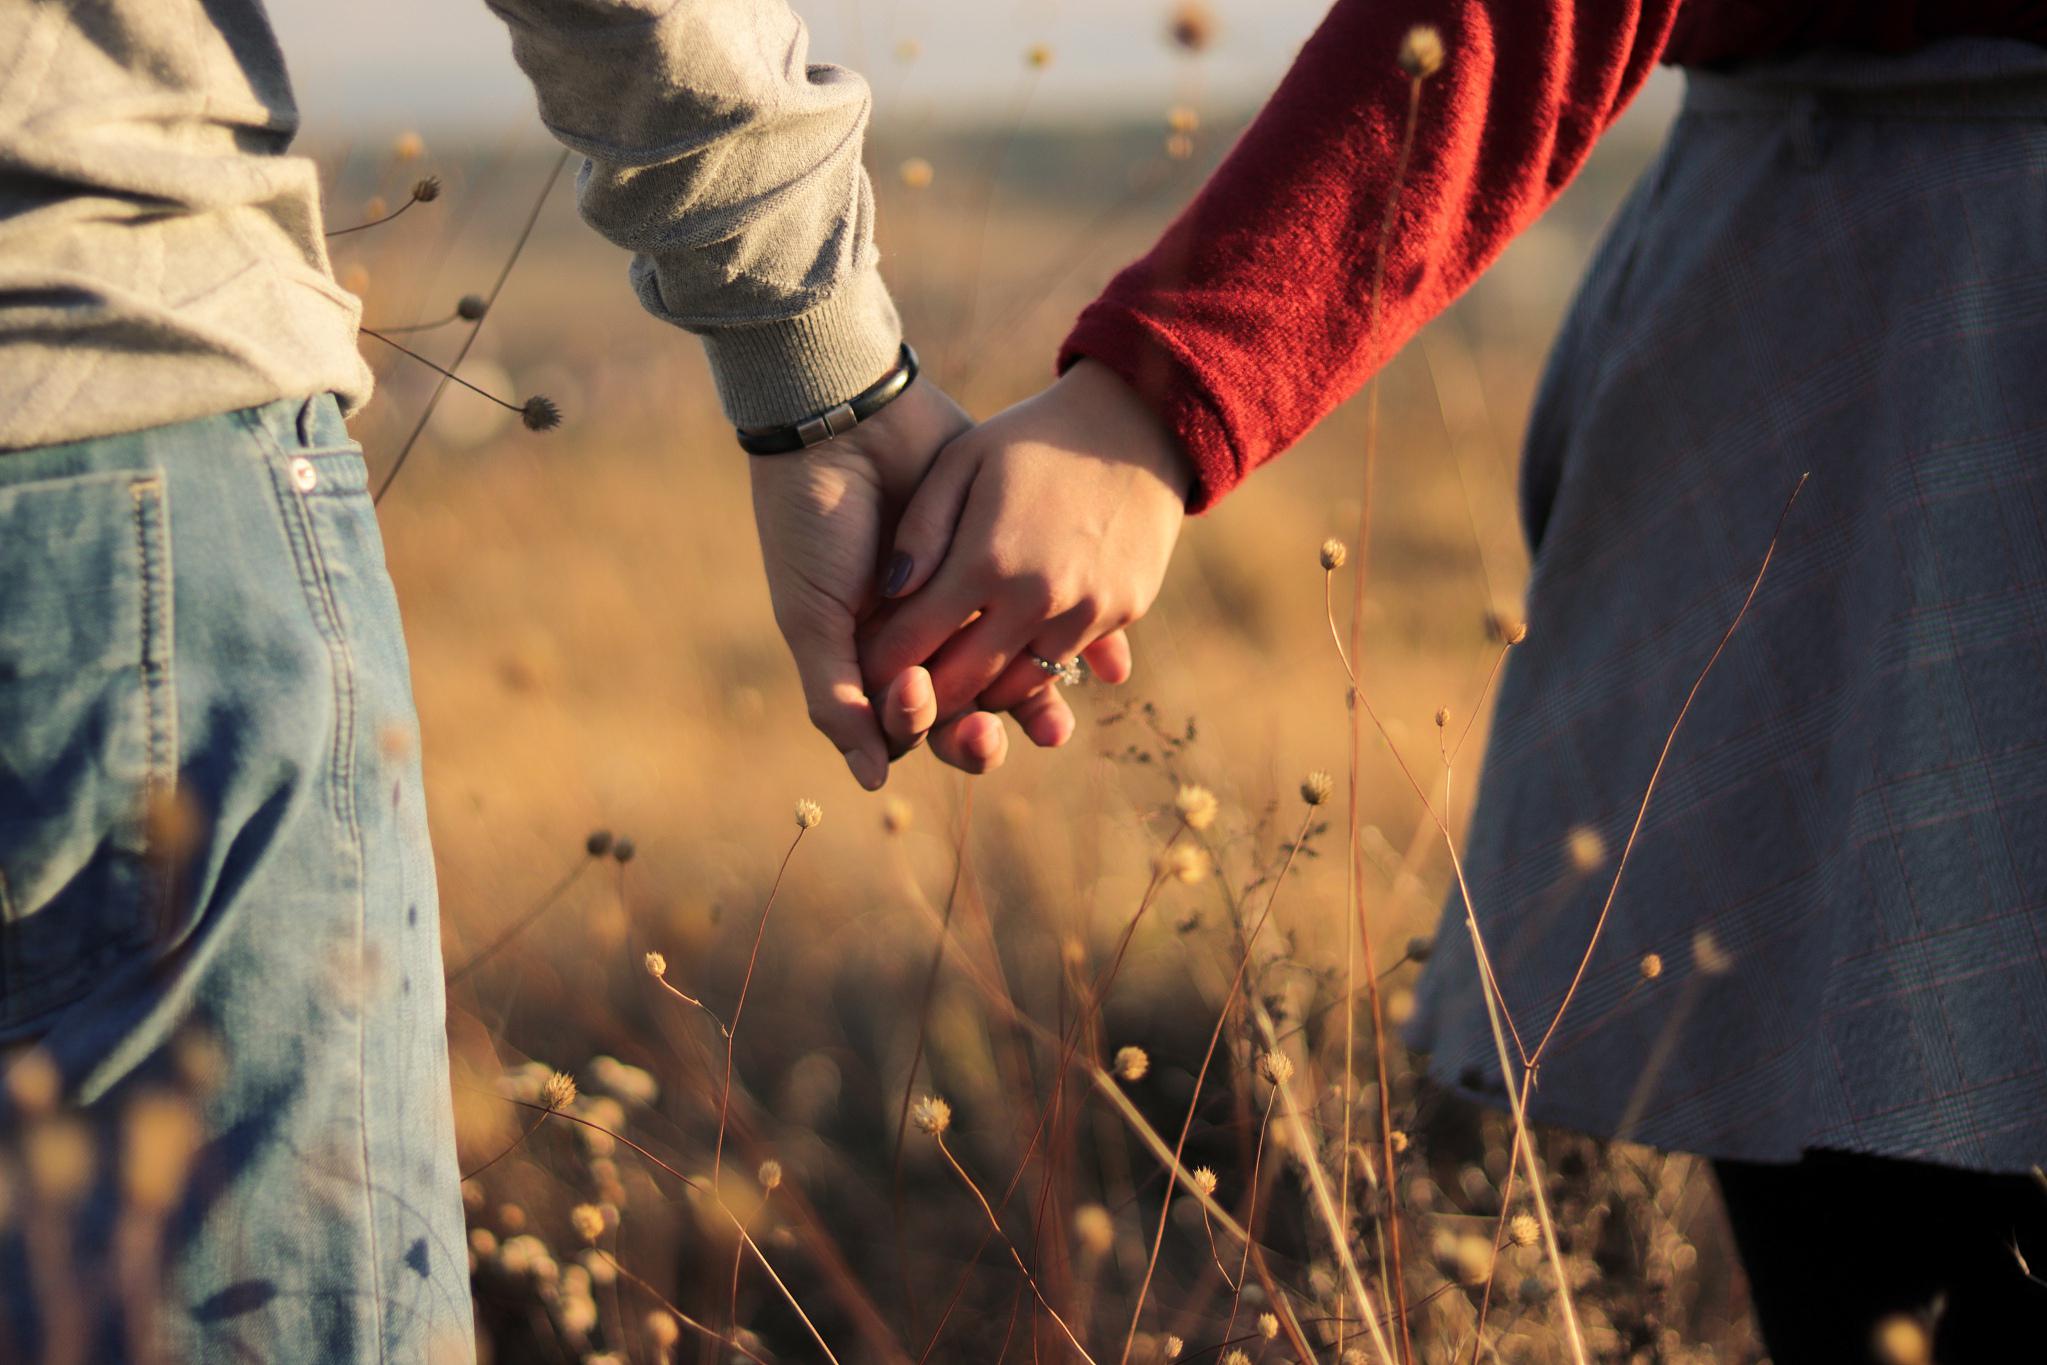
(592, 649)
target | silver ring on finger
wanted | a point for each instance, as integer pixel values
(1072, 673)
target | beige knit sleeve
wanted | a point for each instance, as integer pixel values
(730, 166)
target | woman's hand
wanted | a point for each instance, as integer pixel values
(823, 515)
(1044, 531)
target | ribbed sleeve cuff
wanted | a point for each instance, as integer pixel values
(774, 373)
(1156, 371)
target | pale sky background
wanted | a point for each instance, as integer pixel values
(445, 66)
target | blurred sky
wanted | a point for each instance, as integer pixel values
(445, 66)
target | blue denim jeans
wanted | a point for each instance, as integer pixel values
(225, 1128)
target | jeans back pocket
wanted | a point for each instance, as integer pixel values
(87, 731)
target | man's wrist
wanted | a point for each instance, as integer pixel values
(772, 374)
(838, 420)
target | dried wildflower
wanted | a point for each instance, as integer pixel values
(598, 844)
(896, 815)
(657, 965)
(1197, 806)
(577, 1314)
(160, 1136)
(1173, 1347)
(1473, 1258)
(1400, 1141)
(1901, 1340)
(1504, 627)
(1235, 1356)
(908, 50)
(1421, 52)
(623, 850)
(771, 1174)
(662, 1329)
(427, 190)
(483, 1242)
(588, 1221)
(915, 173)
(1317, 787)
(1442, 717)
(1708, 956)
(1204, 1180)
(1179, 146)
(1268, 1326)
(33, 1083)
(408, 146)
(59, 1155)
(471, 307)
(808, 813)
(1094, 1229)
(1183, 118)
(1523, 1230)
(1192, 27)
(1276, 1067)
(540, 414)
(1334, 554)
(1419, 947)
(1652, 966)
(1585, 848)
(1037, 56)
(559, 1092)
(1132, 1063)
(932, 1115)
(1183, 863)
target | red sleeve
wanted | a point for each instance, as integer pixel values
(1248, 321)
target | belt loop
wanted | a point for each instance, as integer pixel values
(306, 423)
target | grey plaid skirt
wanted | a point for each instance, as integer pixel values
(1832, 932)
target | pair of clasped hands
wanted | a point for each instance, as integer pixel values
(919, 562)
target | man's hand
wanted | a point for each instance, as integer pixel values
(824, 515)
(1044, 532)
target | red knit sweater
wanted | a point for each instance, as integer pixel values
(1250, 319)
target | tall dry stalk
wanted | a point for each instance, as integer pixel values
(1418, 71)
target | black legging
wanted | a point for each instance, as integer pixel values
(1836, 1243)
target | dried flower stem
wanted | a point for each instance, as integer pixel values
(409, 327)
(996, 1224)
(414, 198)
(435, 366)
(1251, 1212)
(687, 999)
(490, 306)
(731, 1033)
(685, 1319)
(1201, 1076)
(759, 1256)
(516, 1144)
(1355, 877)
(959, 869)
(1656, 774)
(1318, 1186)
(1499, 1230)
(525, 921)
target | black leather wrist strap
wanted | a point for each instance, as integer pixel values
(834, 421)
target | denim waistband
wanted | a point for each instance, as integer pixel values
(1961, 78)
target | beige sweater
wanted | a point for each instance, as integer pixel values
(162, 258)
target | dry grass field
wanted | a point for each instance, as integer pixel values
(592, 650)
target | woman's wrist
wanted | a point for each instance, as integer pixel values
(1128, 427)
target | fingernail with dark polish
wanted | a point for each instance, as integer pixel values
(898, 574)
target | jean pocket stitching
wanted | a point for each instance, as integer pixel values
(159, 697)
(316, 584)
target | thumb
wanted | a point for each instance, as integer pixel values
(829, 667)
(924, 532)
